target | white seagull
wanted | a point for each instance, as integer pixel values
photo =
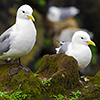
(78, 48)
(56, 14)
(20, 38)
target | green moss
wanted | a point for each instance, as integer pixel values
(96, 79)
(64, 73)
(2, 98)
(65, 78)
(93, 93)
(23, 81)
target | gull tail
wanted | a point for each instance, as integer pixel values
(61, 43)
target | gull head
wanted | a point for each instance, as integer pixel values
(82, 37)
(25, 12)
(53, 14)
(74, 10)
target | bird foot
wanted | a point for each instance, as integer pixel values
(23, 68)
(84, 80)
(13, 72)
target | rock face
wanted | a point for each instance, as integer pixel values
(22, 81)
(92, 92)
(62, 69)
(58, 74)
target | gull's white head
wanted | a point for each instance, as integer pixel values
(53, 14)
(82, 37)
(74, 10)
(25, 12)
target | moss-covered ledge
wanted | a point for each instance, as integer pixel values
(23, 81)
(58, 74)
(92, 92)
(64, 73)
(60, 67)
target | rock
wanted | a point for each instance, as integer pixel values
(96, 79)
(63, 70)
(23, 81)
(58, 74)
(92, 92)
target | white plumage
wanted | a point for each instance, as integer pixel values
(56, 14)
(78, 48)
(19, 40)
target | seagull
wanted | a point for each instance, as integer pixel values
(56, 14)
(66, 34)
(19, 39)
(78, 48)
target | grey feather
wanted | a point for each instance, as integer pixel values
(68, 12)
(64, 47)
(5, 41)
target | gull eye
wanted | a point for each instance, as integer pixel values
(82, 38)
(23, 11)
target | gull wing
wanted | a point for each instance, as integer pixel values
(5, 41)
(63, 47)
(68, 12)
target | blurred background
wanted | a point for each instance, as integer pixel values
(56, 20)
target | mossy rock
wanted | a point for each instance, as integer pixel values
(2, 98)
(63, 70)
(92, 92)
(96, 79)
(23, 81)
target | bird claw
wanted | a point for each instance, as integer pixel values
(12, 72)
(23, 68)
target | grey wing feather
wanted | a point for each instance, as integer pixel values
(64, 47)
(4, 41)
(68, 12)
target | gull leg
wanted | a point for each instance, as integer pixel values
(12, 71)
(83, 79)
(22, 67)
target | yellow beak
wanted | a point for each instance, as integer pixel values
(91, 43)
(32, 18)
